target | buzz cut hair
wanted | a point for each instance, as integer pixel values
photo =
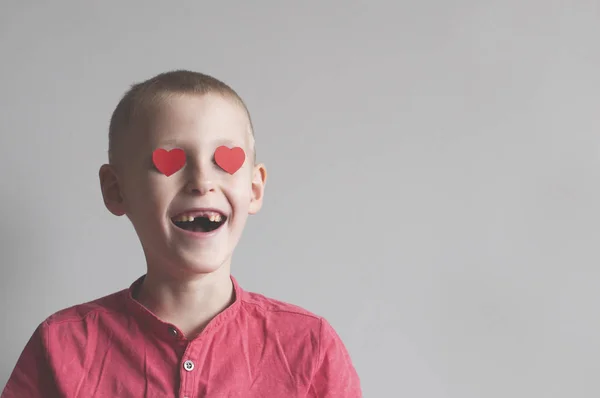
(153, 91)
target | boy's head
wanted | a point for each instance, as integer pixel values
(194, 114)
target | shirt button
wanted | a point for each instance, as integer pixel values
(188, 365)
(173, 331)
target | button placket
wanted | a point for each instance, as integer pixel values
(189, 373)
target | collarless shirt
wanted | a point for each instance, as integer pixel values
(115, 347)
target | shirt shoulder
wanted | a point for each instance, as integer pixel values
(280, 315)
(303, 333)
(111, 304)
(270, 305)
(54, 341)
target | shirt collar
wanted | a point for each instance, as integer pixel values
(155, 325)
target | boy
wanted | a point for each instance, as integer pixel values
(182, 169)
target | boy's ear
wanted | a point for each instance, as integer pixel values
(111, 191)
(259, 179)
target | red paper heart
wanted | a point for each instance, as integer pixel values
(230, 160)
(169, 162)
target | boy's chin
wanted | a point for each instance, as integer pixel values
(202, 263)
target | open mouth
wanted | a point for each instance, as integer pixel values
(200, 221)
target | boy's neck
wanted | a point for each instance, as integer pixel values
(190, 304)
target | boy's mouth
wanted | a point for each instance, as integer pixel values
(200, 220)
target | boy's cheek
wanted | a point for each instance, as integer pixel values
(240, 192)
(155, 185)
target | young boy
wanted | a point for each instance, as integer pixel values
(182, 169)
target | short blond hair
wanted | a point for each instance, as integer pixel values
(143, 95)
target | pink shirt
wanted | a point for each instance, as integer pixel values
(115, 347)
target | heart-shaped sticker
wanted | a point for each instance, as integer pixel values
(228, 159)
(169, 162)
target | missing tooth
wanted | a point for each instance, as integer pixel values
(200, 224)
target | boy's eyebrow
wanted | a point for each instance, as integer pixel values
(226, 142)
(174, 142)
(167, 143)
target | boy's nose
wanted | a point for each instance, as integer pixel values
(200, 182)
(200, 188)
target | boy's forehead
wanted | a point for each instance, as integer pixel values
(194, 118)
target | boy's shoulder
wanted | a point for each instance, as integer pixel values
(270, 305)
(110, 304)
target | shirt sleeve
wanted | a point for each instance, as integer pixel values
(334, 374)
(32, 376)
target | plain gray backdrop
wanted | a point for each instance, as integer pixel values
(434, 175)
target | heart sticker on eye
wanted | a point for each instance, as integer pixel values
(228, 159)
(169, 162)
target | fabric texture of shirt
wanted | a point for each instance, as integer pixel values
(115, 347)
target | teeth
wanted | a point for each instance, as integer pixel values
(212, 217)
(184, 219)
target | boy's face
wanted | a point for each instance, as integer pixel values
(153, 201)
